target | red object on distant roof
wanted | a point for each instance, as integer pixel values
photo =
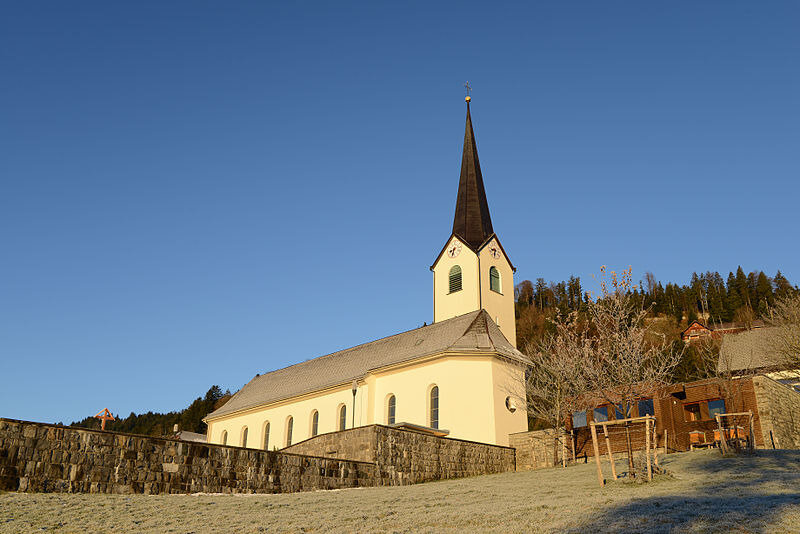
(104, 416)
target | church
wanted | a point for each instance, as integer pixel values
(460, 377)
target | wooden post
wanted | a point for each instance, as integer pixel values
(608, 450)
(666, 440)
(655, 443)
(563, 448)
(752, 434)
(647, 448)
(723, 444)
(597, 455)
(572, 441)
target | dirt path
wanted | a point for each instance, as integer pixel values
(706, 494)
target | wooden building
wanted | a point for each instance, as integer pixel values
(681, 410)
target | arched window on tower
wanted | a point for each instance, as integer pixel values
(391, 407)
(314, 423)
(244, 437)
(266, 436)
(494, 279)
(455, 278)
(434, 407)
(224, 437)
(342, 417)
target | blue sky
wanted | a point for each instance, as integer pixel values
(192, 193)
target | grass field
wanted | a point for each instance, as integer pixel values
(704, 493)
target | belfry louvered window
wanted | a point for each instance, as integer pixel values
(494, 279)
(455, 279)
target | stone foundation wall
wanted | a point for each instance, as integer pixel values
(535, 449)
(37, 457)
(408, 457)
(779, 410)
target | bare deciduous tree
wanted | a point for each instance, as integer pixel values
(629, 360)
(555, 381)
(615, 357)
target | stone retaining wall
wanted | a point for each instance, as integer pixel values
(779, 410)
(37, 457)
(408, 457)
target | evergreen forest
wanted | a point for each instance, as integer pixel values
(741, 300)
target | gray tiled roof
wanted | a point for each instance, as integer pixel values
(747, 350)
(473, 331)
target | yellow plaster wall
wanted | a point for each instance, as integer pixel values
(446, 304)
(301, 408)
(472, 391)
(465, 396)
(508, 379)
(499, 305)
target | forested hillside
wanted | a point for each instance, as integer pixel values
(708, 297)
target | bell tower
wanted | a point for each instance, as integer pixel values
(472, 271)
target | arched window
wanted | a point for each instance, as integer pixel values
(455, 279)
(289, 425)
(314, 423)
(266, 436)
(224, 437)
(391, 407)
(342, 417)
(434, 407)
(494, 279)
(244, 437)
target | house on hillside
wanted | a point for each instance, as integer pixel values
(697, 331)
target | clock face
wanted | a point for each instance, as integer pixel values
(494, 251)
(454, 249)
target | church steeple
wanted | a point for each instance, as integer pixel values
(473, 272)
(472, 222)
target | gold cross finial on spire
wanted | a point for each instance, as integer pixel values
(468, 89)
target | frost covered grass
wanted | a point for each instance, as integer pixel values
(703, 493)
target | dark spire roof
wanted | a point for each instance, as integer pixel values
(472, 222)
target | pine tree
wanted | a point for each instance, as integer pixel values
(741, 286)
(764, 294)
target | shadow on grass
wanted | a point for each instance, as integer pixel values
(747, 492)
